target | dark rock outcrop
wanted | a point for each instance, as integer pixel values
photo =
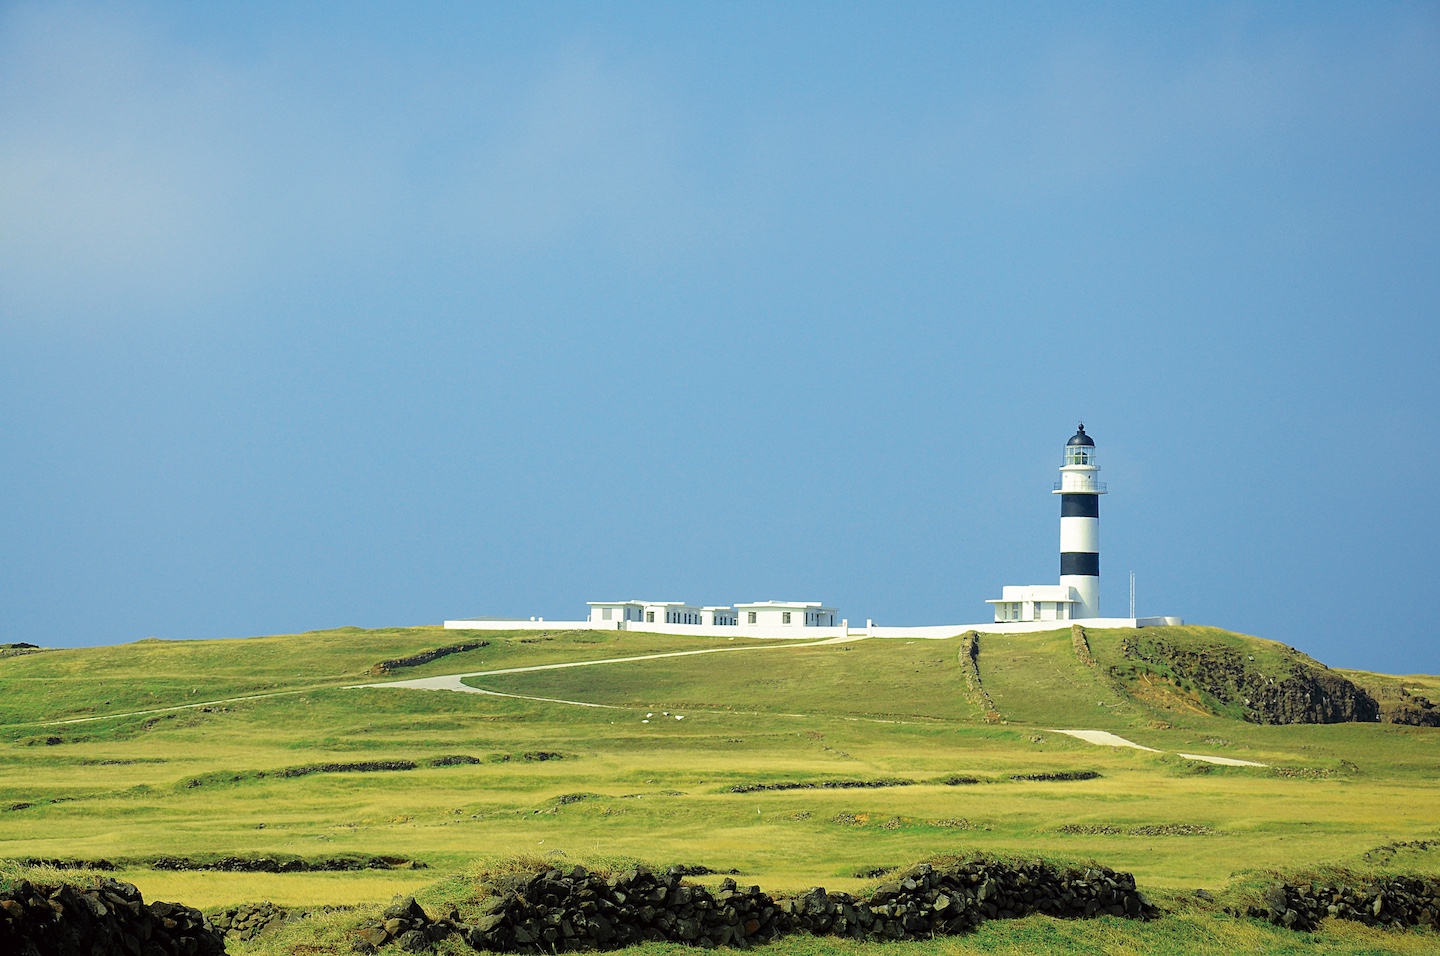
(64, 920)
(1305, 692)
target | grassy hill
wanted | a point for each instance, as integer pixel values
(195, 771)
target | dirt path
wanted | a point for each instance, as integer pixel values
(447, 682)
(456, 682)
(1104, 738)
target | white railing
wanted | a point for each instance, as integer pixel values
(1080, 487)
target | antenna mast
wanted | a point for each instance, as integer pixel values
(1132, 595)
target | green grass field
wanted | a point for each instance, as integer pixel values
(205, 781)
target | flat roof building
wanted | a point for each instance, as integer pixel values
(646, 612)
(1035, 602)
(787, 614)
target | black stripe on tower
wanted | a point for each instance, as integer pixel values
(1079, 506)
(1080, 562)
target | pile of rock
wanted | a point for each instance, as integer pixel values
(821, 785)
(1398, 902)
(69, 864)
(266, 864)
(63, 920)
(1058, 776)
(425, 657)
(364, 766)
(575, 909)
(927, 901)
(248, 921)
(406, 923)
(1156, 829)
(970, 666)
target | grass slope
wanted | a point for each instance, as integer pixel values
(206, 781)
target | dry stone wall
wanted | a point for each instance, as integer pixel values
(970, 665)
(1399, 902)
(111, 919)
(425, 657)
(578, 910)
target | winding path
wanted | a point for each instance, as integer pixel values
(1104, 738)
(456, 682)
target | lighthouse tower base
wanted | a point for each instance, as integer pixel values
(1085, 589)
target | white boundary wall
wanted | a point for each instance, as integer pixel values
(802, 633)
(797, 632)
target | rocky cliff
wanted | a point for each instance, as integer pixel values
(1291, 690)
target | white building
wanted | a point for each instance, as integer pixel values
(612, 613)
(786, 614)
(1035, 602)
(719, 616)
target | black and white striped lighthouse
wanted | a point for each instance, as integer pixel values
(1080, 524)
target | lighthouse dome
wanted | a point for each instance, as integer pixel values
(1080, 438)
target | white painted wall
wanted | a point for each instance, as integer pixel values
(1087, 590)
(923, 632)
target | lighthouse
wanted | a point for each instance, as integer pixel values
(1077, 596)
(1080, 493)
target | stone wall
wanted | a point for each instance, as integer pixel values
(425, 657)
(576, 909)
(63, 920)
(1399, 902)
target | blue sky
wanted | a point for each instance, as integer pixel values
(315, 315)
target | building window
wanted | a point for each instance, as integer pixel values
(649, 617)
(605, 614)
(785, 617)
(752, 617)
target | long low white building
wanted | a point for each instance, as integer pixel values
(803, 620)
